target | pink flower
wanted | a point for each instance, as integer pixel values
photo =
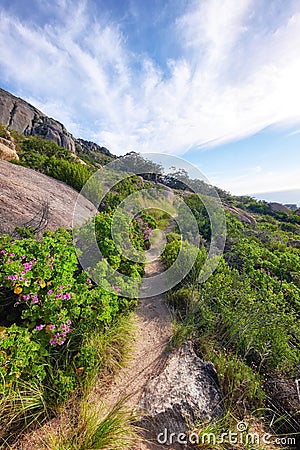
(116, 288)
(35, 299)
(50, 292)
(52, 327)
(39, 327)
(89, 280)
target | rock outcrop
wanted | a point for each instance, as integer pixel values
(7, 148)
(278, 207)
(185, 392)
(242, 215)
(89, 146)
(16, 114)
(31, 198)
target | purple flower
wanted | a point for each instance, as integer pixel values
(67, 296)
(89, 280)
(69, 322)
(39, 327)
(134, 287)
(50, 292)
(3, 251)
(52, 327)
(62, 342)
(58, 295)
(53, 341)
(61, 287)
(26, 297)
(11, 254)
(63, 327)
(116, 288)
(35, 299)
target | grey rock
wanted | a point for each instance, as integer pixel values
(18, 115)
(87, 146)
(184, 393)
(26, 195)
(278, 207)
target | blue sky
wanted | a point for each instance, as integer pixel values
(213, 81)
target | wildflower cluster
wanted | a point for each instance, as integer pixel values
(54, 303)
(144, 228)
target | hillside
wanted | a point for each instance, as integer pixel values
(228, 354)
(18, 115)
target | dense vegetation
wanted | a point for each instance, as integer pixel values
(245, 317)
(58, 329)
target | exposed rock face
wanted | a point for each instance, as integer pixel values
(28, 197)
(185, 392)
(278, 207)
(87, 146)
(243, 216)
(19, 115)
(7, 148)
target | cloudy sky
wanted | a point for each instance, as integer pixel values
(214, 81)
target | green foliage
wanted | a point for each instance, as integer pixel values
(245, 317)
(58, 327)
(190, 257)
(49, 158)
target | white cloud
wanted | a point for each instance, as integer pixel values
(258, 180)
(231, 78)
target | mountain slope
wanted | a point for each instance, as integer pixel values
(16, 114)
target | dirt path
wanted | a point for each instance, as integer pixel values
(154, 329)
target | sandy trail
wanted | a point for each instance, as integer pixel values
(154, 329)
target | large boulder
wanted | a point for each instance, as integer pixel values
(184, 393)
(31, 198)
(278, 207)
